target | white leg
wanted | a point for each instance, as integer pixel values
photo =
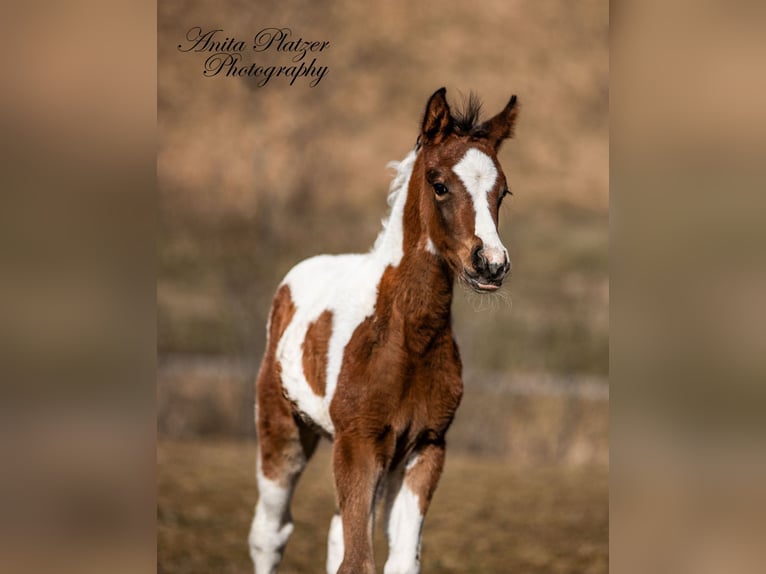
(272, 525)
(404, 523)
(335, 545)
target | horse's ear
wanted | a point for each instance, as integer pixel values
(501, 126)
(437, 121)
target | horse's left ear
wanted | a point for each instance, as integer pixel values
(501, 126)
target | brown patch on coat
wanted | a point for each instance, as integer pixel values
(315, 347)
(284, 443)
(282, 312)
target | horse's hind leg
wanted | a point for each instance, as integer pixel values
(285, 445)
(272, 524)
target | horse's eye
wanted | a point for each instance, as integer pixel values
(505, 192)
(440, 189)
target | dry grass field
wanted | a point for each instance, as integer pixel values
(486, 516)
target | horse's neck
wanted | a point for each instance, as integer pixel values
(424, 290)
(420, 285)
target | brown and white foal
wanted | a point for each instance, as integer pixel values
(360, 349)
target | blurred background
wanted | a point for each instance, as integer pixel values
(254, 179)
(688, 277)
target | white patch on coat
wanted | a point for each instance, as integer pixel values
(431, 248)
(404, 527)
(347, 285)
(478, 173)
(335, 545)
(272, 525)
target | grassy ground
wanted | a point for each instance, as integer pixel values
(486, 517)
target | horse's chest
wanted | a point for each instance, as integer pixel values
(388, 387)
(348, 355)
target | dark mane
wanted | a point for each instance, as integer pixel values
(466, 117)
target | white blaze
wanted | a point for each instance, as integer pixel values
(478, 173)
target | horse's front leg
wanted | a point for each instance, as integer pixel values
(358, 465)
(408, 495)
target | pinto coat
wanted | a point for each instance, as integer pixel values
(360, 349)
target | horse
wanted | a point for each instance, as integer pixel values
(360, 348)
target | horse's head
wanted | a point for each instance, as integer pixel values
(463, 188)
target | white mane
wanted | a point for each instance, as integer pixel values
(389, 240)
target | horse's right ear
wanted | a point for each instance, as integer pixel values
(501, 126)
(437, 121)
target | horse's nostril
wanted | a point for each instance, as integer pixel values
(477, 258)
(498, 270)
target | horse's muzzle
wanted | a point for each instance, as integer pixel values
(487, 275)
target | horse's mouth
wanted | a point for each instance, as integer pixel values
(481, 286)
(484, 287)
